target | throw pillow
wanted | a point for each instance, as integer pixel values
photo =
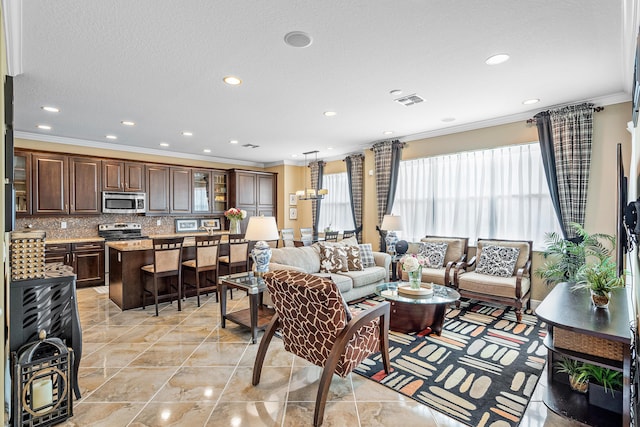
(333, 259)
(434, 252)
(497, 260)
(366, 255)
(353, 258)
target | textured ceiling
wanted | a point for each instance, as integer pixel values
(160, 64)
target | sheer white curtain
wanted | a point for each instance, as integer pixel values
(496, 193)
(335, 209)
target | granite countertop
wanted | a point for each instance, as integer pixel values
(146, 244)
(133, 244)
(75, 240)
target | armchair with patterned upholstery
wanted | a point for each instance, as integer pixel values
(316, 324)
(447, 251)
(500, 272)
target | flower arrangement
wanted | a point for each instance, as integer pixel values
(413, 262)
(235, 213)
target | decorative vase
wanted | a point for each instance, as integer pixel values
(234, 226)
(601, 300)
(415, 277)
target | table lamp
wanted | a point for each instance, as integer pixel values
(391, 224)
(260, 229)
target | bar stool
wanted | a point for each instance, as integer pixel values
(207, 253)
(286, 234)
(238, 255)
(167, 255)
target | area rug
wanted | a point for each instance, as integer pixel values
(481, 371)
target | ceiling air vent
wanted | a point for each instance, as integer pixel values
(409, 100)
(250, 146)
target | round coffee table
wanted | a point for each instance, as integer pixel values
(415, 313)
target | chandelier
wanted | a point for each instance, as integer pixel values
(311, 193)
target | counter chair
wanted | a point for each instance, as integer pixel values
(206, 261)
(238, 259)
(167, 255)
(331, 236)
(340, 339)
(348, 233)
(287, 237)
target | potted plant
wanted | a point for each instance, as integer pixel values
(578, 378)
(563, 258)
(605, 387)
(600, 277)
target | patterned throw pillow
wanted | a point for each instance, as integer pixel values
(434, 252)
(497, 261)
(353, 258)
(366, 255)
(333, 259)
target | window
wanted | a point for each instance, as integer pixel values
(496, 193)
(335, 208)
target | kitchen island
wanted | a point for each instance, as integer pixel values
(125, 260)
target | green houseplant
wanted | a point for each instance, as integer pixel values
(578, 376)
(605, 387)
(600, 277)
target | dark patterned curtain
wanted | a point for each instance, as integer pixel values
(317, 171)
(565, 138)
(355, 165)
(387, 156)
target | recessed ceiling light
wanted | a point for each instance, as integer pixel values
(50, 109)
(447, 119)
(187, 133)
(206, 150)
(497, 59)
(128, 123)
(164, 144)
(387, 132)
(297, 39)
(395, 92)
(44, 127)
(111, 137)
(329, 148)
(531, 101)
(233, 141)
(330, 113)
(294, 155)
(232, 80)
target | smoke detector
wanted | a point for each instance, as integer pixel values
(409, 100)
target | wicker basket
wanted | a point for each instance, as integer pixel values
(563, 338)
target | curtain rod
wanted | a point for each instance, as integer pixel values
(595, 110)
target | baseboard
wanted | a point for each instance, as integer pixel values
(534, 304)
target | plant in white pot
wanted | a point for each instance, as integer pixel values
(600, 277)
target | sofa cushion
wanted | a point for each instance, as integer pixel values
(492, 285)
(366, 277)
(332, 259)
(497, 260)
(429, 275)
(354, 263)
(305, 258)
(344, 283)
(366, 255)
(434, 253)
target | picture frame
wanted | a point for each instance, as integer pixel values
(293, 199)
(213, 223)
(293, 213)
(186, 225)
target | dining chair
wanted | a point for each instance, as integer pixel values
(331, 236)
(238, 259)
(206, 261)
(287, 237)
(167, 255)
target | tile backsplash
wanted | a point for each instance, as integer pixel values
(87, 226)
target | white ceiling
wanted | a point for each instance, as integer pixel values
(160, 63)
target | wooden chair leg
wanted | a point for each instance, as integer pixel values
(262, 349)
(519, 315)
(323, 389)
(198, 287)
(155, 292)
(142, 278)
(179, 291)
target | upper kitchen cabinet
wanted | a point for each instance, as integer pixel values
(157, 179)
(50, 184)
(123, 176)
(219, 192)
(201, 186)
(85, 183)
(254, 192)
(180, 191)
(22, 182)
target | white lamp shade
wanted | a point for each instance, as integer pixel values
(262, 228)
(391, 223)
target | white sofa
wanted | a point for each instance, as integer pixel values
(352, 284)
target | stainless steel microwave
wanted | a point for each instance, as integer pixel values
(123, 203)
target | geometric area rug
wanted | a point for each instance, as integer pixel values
(481, 371)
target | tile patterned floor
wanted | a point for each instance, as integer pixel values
(182, 369)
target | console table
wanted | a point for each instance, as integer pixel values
(578, 330)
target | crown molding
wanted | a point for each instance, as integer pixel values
(12, 13)
(131, 148)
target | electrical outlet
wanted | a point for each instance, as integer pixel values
(159, 222)
(63, 224)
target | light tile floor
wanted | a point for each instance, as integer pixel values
(183, 369)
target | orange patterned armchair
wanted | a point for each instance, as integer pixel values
(317, 325)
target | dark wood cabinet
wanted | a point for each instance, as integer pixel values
(50, 184)
(157, 178)
(58, 252)
(219, 193)
(122, 176)
(87, 259)
(22, 182)
(201, 200)
(254, 192)
(85, 183)
(180, 190)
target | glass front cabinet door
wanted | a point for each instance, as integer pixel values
(22, 182)
(201, 191)
(219, 192)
